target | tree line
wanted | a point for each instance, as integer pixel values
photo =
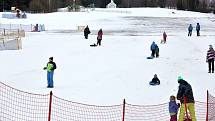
(52, 5)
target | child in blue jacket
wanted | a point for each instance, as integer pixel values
(173, 108)
(190, 29)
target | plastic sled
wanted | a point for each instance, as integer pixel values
(153, 84)
(150, 57)
(93, 45)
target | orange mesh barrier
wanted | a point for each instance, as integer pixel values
(16, 105)
(211, 107)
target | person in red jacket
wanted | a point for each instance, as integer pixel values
(99, 37)
(210, 59)
(164, 37)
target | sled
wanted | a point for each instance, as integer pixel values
(153, 84)
(93, 45)
(150, 57)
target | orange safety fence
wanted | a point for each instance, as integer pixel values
(211, 107)
(17, 105)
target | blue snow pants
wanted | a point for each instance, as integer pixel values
(50, 78)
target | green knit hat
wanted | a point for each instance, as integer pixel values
(180, 78)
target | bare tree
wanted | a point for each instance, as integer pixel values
(171, 3)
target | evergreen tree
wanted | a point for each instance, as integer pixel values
(86, 3)
(179, 5)
(162, 3)
(117, 2)
(101, 3)
(21, 4)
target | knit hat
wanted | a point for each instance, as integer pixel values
(51, 58)
(180, 78)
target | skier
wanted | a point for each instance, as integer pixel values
(173, 108)
(51, 66)
(210, 59)
(164, 37)
(185, 92)
(155, 80)
(198, 29)
(86, 32)
(190, 29)
(99, 37)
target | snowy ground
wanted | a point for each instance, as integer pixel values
(118, 69)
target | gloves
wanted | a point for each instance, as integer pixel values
(178, 104)
(44, 68)
(206, 60)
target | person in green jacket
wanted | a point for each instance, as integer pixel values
(50, 67)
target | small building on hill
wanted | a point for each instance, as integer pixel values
(111, 5)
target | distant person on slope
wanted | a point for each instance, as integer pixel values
(190, 29)
(164, 37)
(173, 108)
(155, 80)
(18, 13)
(185, 93)
(99, 37)
(210, 59)
(157, 51)
(198, 29)
(50, 67)
(86, 32)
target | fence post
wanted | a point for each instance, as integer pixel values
(4, 32)
(123, 112)
(185, 106)
(17, 42)
(207, 107)
(18, 33)
(50, 106)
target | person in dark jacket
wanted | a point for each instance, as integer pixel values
(185, 93)
(198, 29)
(210, 59)
(190, 29)
(18, 13)
(157, 51)
(99, 37)
(173, 108)
(50, 67)
(86, 32)
(155, 80)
